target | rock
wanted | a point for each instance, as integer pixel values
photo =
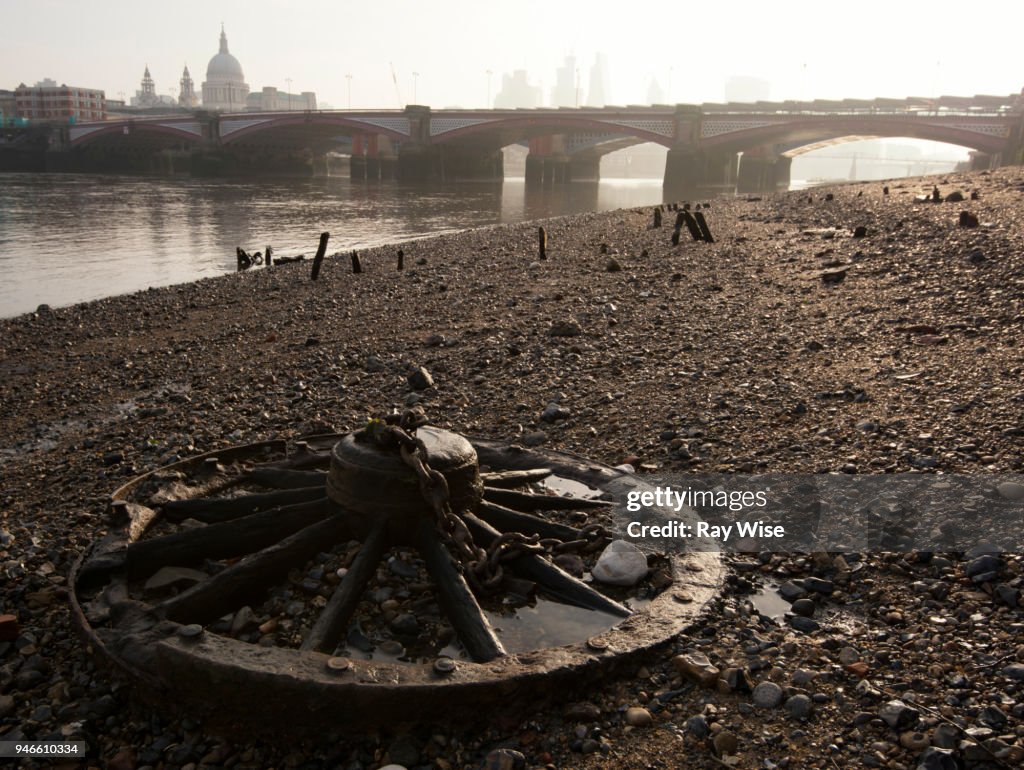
(638, 717)
(6, 706)
(790, 591)
(589, 746)
(767, 695)
(725, 743)
(554, 412)
(696, 667)
(834, 276)
(535, 438)
(405, 625)
(167, 578)
(914, 740)
(967, 219)
(122, 760)
(9, 628)
(1008, 595)
(802, 624)
(898, 714)
(983, 564)
(799, 707)
(565, 329)
(243, 619)
(977, 256)
(612, 266)
(373, 364)
(1014, 672)
(571, 563)
(937, 759)
(955, 197)
(504, 759)
(804, 607)
(621, 564)
(404, 750)
(583, 712)
(698, 726)
(819, 585)
(945, 736)
(860, 231)
(1011, 490)
(420, 379)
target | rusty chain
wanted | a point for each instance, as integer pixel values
(481, 567)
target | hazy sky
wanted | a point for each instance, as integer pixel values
(805, 49)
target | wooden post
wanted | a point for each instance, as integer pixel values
(702, 223)
(675, 237)
(692, 226)
(657, 216)
(542, 244)
(401, 259)
(319, 258)
(356, 267)
(269, 258)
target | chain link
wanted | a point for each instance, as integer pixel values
(481, 567)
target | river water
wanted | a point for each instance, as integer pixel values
(67, 238)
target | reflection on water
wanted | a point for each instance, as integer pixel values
(74, 237)
(548, 623)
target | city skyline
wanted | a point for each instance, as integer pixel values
(444, 53)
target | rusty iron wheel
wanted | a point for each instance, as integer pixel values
(261, 511)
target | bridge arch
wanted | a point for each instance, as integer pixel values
(316, 127)
(144, 133)
(501, 132)
(812, 130)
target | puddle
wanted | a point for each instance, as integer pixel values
(768, 602)
(548, 624)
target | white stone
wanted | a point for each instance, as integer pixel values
(621, 564)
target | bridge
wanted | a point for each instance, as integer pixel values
(711, 146)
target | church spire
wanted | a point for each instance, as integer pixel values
(223, 40)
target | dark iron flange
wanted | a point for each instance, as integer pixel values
(247, 518)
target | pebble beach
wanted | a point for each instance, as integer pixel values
(795, 343)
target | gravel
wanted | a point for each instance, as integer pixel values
(738, 349)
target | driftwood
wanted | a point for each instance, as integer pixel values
(542, 245)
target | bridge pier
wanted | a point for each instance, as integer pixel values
(763, 171)
(585, 169)
(691, 173)
(458, 164)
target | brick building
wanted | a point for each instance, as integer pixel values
(48, 101)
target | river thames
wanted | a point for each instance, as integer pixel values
(68, 238)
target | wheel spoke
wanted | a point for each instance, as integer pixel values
(276, 478)
(229, 538)
(509, 479)
(507, 520)
(524, 501)
(457, 601)
(214, 510)
(555, 580)
(331, 624)
(248, 580)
